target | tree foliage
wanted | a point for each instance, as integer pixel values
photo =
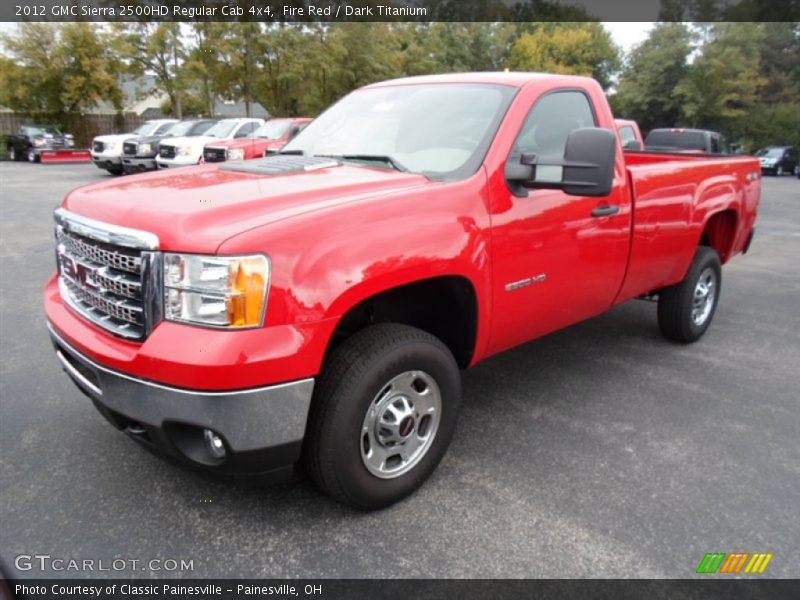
(739, 78)
(58, 69)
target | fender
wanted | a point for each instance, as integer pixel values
(326, 264)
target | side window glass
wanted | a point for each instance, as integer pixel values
(626, 134)
(245, 130)
(714, 145)
(550, 122)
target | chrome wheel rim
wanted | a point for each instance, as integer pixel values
(705, 293)
(12, 154)
(31, 156)
(400, 424)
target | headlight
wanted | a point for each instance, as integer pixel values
(38, 142)
(112, 146)
(144, 149)
(220, 291)
(184, 150)
(235, 154)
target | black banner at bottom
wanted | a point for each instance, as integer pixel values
(457, 589)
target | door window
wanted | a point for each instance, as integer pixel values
(548, 126)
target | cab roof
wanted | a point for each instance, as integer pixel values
(510, 78)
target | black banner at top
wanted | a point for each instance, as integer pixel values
(272, 11)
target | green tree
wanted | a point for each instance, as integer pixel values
(159, 49)
(567, 48)
(203, 67)
(646, 88)
(58, 70)
(722, 84)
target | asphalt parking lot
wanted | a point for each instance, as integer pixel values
(600, 451)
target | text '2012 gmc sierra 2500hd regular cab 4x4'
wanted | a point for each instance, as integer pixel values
(317, 306)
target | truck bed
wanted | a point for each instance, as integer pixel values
(673, 194)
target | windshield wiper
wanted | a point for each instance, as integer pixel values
(384, 158)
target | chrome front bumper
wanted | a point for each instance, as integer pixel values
(262, 428)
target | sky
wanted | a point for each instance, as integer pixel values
(627, 35)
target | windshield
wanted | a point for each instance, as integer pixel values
(222, 129)
(179, 129)
(146, 128)
(272, 130)
(439, 130)
(43, 131)
(771, 152)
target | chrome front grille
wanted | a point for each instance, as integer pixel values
(214, 154)
(129, 261)
(108, 274)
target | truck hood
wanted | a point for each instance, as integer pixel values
(246, 143)
(118, 137)
(195, 142)
(197, 208)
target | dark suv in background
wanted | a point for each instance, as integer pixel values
(777, 160)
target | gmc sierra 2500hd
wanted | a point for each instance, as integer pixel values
(317, 305)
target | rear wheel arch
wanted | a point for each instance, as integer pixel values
(719, 232)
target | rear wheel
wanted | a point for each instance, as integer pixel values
(685, 310)
(383, 415)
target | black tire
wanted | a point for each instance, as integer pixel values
(353, 377)
(12, 153)
(676, 304)
(33, 156)
(115, 170)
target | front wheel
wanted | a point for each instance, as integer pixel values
(383, 415)
(32, 156)
(779, 170)
(685, 310)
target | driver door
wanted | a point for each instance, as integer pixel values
(557, 259)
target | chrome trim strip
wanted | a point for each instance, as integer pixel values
(153, 291)
(167, 387)
(77, 374)
(106, 232)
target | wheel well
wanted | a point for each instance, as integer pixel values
(445, 307)
(719, 231)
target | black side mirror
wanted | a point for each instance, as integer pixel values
(633, 145)
(586, 169)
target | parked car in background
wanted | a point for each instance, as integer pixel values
(32, 140)
(698, 141)
(319, 304)
(777, 160)
(139, 153)
(188, 150)
(107, 149)
(629, 134)
(270, 137)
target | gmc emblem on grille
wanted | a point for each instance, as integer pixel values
(77, 271)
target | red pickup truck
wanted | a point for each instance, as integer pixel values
(316, 307)
(267, 139)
